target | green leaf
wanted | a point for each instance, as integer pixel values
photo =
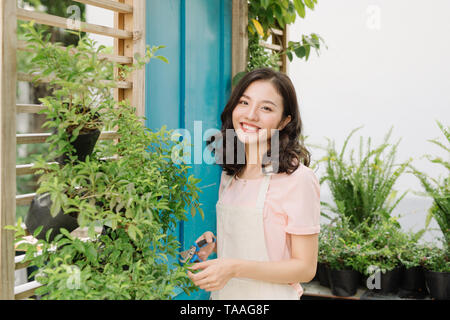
(37, 231)
(265, 3)
(300, 51)
(300, 7)
(238, 77)
(309, 4)
(289, 55)
(258, 27)
(132, 232)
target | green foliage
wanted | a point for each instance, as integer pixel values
(344, 246)
(264, 15)
(435, 258)
(131, 188)
(438, 189)
(363, 190)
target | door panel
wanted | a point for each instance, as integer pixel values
(191, 91)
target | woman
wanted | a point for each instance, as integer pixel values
(267, 220)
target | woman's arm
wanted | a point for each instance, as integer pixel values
(300, 268)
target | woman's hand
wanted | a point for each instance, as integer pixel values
(208, 248)
(215, 273)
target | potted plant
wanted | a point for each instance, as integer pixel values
(344, 246)
(437, 274)
(362, 189)
(412, 256)
(140, 196)
(80, 91)
(437, 269)
(73, 111)
(325, 237)
(82, 84)
(387, 240)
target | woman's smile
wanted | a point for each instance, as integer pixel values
(248, 128)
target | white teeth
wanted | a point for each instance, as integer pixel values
(248, 128)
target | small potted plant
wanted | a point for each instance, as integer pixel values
(325, 237)
(437, 265)
(383, 258)
(412, 256)
(344, 247)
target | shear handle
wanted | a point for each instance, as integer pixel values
(202, 242)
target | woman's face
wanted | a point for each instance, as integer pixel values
(258, 113)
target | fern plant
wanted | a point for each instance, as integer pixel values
(438, 189)
(363, 189)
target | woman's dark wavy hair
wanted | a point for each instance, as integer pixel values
(291, 148)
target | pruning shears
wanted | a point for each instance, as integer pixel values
(190, 255)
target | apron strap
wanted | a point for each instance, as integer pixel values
(227, 184)
(262, 191)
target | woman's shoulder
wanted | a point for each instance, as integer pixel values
(300, 171)
(300, 176)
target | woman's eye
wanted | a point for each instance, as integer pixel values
(243, 102)
(267, 108)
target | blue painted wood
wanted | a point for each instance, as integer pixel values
(192, 90)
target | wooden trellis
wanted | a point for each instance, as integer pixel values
(129, 38)
(279, 43)
(240, 39)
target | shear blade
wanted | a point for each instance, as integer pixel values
(187, 254)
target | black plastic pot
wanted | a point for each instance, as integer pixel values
(390, 281)
(322, 274)
(84, 145)
(438, 284)
(413, 279)
(39, 215)
(344, 283)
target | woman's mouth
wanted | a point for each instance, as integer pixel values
(249, 128)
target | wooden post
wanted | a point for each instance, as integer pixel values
(284, 58)
(135, 23)
(8, 30)
(239, 43)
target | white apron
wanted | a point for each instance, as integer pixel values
(240, 235)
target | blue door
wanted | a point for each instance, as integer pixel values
(191, 91)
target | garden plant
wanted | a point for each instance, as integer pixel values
(130, 188)
(437, 261)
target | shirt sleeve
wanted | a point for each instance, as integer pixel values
(302, 203)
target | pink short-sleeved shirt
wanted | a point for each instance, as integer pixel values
(292, 206)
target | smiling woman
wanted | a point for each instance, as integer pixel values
(267, 219)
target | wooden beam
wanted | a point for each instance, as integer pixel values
(30, 138)
(26, 290)
(21, 76)
(23, 169)
(23, 46)
(270, 46)
(108, 4)
(239, 42)
(8, 29)
(134, 23)
(24, 199)
(55, 21)
(284, 58)
(29, 108)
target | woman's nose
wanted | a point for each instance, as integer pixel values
(252, 114)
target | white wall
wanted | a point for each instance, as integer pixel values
(386, 64)
(101, 17)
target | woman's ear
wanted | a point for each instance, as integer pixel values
(285, 122)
